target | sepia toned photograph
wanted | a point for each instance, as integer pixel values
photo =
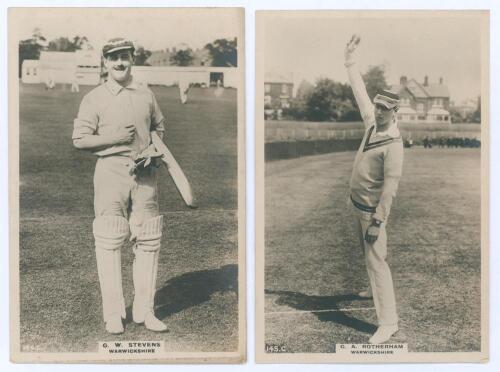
(372, 186)
(127, 185)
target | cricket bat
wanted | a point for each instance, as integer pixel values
(174, 170)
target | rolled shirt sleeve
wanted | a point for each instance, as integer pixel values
(157, 118)
(86, 122)
(393, 168)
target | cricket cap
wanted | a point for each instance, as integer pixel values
(387, 99)
(116, 44)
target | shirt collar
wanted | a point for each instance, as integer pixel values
(116, 88)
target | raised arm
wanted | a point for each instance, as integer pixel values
(358, 86)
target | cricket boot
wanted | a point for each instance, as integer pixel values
(145, 268)
(110, 233)
(383, 334)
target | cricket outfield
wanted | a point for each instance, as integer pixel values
(197, 297)
(314, 266)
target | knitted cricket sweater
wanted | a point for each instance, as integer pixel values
(379, 161)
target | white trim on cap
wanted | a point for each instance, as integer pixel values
(123, 47)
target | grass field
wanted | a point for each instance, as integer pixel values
(314, 266)
(197, 277)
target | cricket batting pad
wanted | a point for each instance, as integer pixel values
(110, 233)
(145, 267)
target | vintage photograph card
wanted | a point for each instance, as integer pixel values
(372, 186)
(127, 185)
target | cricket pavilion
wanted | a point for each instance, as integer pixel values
(84, 67)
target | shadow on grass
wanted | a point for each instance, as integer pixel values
(305, 302)
(191, 289)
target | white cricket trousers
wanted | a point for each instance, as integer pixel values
(378, 270)
(126, 206)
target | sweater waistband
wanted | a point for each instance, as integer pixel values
(363, 207)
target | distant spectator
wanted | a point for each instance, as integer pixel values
(408, 142)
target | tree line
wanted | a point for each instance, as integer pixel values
(329, 100)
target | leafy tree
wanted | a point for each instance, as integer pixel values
(296, 111)
(475, 116)
(80, 41)
(30, 48)
(351, 115)
(141, 56)
(304, 90)
(182, 57)
(329, 101)
(374, 80)
(224, 52)
(64, 44)
(456, 115)
(37, 35)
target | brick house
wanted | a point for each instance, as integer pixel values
(423, 103)
(278, 90)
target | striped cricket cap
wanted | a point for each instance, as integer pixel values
(116, 44)
(387, 99)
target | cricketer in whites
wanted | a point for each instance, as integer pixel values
(115, 122)
(376, 172)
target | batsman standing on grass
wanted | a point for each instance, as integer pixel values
(115, 122)
(374, 182)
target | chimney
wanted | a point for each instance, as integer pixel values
(441, 80)
(403, 80)
(426, 81)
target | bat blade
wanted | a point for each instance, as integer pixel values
(180, 180)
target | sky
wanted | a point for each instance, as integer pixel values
(163, 28)
(414, 46)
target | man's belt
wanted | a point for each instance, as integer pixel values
(363, 207)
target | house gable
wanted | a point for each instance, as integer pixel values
(437, 91)
(416, 89)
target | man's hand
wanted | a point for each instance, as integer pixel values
(149, 157)
(372, 234)
(125, 135)
(351, 48)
